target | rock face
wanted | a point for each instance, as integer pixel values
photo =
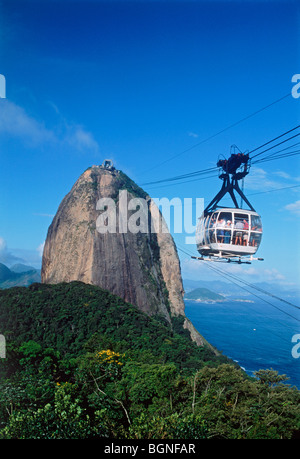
(141, 267)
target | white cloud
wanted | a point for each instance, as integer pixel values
(6, 257)
(39, 214)
(40, 249)
(283, 174)
(264, 181)
(16, 122)
(260, 180)
(81, 140)
(192, 269)
(273, 275)
(294, 207)
(31, 257)
(287, 176)
(3, 246)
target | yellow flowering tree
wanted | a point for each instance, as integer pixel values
(100, 373)
(109, 363)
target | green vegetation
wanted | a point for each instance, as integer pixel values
(82, 363)
(131, 186)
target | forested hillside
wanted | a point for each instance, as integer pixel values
(83, 363)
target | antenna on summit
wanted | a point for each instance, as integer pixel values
(107, 164)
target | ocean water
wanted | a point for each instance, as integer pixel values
(254, 334)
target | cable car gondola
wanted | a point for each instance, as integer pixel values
(230, 233)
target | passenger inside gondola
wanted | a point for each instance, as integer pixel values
(220, 232)
(255, 237)
(246, 232)
(256, 231)
(239, 226)
(227, 237)
(212, 225)
(230, 231)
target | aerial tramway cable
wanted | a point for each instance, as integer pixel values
(261, 291)
(203, 173)
(270, 141)
(280, 143)
(219, 132)
(251, 293)
(235, 279)
(237, 173)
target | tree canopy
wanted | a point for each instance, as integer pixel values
(82, 363)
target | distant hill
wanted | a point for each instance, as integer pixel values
(5, 273)
(220, 287)
(203, 294)
(20, 268)
(18, 276)
(229, 289)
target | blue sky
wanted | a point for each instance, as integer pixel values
(141, 82)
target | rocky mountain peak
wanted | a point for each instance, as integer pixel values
(102, 234)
